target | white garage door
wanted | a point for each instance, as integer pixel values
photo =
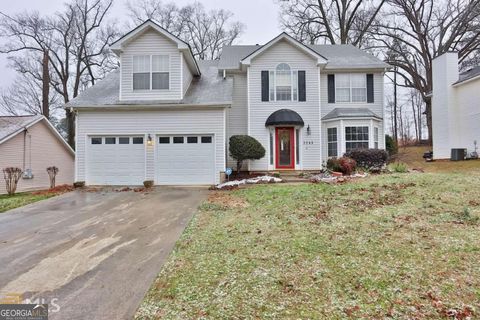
(185, 159)
(115, 160)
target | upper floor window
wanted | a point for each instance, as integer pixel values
(151, 72)
(283, 83)
(351, 87)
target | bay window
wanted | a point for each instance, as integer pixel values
(356, 138)
(332, 142)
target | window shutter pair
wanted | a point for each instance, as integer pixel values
(331, 88)
(302, 93)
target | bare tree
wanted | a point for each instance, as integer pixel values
(206, 31)
(76, 41)
(331, 21)
(414, 32)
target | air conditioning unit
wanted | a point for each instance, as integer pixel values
(458, 154)
(27, 174)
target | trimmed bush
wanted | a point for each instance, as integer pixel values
(79, 184)
(244, 147)
(344, 165)
(370, 159)
(148, 184)
(390, 145)
(11, 176)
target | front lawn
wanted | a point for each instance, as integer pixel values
(22, 199)
(401, 246)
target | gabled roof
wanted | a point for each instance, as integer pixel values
(209, 89)
(285, 37)
(339, 113)
(10, 126)
(149, 24)
(338, 56)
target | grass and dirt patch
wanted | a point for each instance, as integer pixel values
(401, 246)
(23, 198)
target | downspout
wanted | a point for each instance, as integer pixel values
(24, 148)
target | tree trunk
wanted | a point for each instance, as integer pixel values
(70, 115)
(45, 86)
(428, 113)
(239, 166)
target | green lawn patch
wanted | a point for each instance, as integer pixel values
(401, 246)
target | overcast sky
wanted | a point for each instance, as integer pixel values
(261, 23)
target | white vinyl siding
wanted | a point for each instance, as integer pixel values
(187, 76)
(142, 123)
(151, 44)
(310, 147)
(237, 115)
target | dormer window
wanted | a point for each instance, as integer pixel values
(151, 72)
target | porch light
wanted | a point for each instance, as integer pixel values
(308, 130)
(149, 140)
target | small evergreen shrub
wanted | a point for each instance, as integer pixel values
(398, 167)
(370, 159)
(79, 184)
(148, 184)
(390, 145)
(244, 147)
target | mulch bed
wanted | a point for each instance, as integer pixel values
(64, 188)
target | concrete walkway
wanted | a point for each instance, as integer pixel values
(92, 255)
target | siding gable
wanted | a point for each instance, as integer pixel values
(149, 43)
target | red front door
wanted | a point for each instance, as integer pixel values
(285, 148)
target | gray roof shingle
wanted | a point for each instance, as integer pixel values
(350, 113)
(209, 89)
(340, 56)
(12, 124)
(469, 74)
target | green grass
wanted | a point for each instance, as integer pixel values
(400, 246)
(21, 199)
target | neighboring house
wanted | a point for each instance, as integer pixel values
(455, 107)
(33, 144)
(166, 117)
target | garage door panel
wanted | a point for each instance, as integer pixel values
(115, 164)
(185, 163)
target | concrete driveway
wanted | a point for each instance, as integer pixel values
(92, 255)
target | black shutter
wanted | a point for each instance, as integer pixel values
(302, 93)
(265, 86)
(370, 88)
(331, 88)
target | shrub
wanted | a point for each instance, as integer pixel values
(390, 145)
(52, 173)
(399, 167)
(11, 176)
(148, 184)
(370, 159)
(79, 184)
(333, 164)
(243, 147)
(344, 165)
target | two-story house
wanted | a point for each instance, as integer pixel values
(165, 116)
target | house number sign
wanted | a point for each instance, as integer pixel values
(307, 142)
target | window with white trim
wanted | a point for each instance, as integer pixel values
(332, 142)
(350, 87)
(151, 72)
(375, 137)
(283, 83)
(356, 138)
